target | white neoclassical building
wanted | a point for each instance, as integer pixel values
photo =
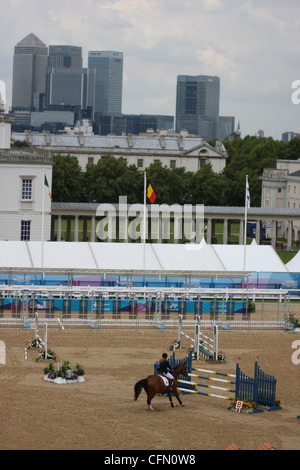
(281, 190)
(25, 203)
(173, 151)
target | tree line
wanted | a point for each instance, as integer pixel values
(111, 177)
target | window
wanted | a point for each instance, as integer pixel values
(90, 160)
(173, 164)
(140, 163)
(25, 230)
(203, 161)
(26, 189)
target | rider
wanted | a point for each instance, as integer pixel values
(166, 369)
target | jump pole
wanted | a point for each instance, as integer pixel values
(213, 344)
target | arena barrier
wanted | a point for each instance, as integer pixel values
(260, 389)
(203, 345)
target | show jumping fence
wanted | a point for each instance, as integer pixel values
(203, 345)
(260, 389)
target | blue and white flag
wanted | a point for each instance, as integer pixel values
(247, 193)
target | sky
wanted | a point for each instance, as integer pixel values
(253, 46)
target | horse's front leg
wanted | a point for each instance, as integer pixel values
(170, 398)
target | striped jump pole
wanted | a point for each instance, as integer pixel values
(192, 385)
(202, 344)
(206, 346)
(181, 333)
(186, 390)
(197, 384)
(214, 372)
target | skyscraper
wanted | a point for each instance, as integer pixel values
(197, 105)
(109, 81)
(68, 83)
(63, 56)
(29, 71)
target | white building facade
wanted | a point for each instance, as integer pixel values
(179, 151)
(281, 190)
(25, 204)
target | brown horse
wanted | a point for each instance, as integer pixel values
(154, 384)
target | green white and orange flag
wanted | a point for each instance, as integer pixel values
(47, 184)
(151, 194)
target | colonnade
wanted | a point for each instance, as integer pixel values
(81, 225)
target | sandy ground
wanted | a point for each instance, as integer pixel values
(102, 414)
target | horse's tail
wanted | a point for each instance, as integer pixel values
(138, 387)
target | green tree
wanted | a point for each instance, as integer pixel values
(67, 179)
(207, 187)
(111, 178)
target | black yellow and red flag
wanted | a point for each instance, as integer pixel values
(151, 194)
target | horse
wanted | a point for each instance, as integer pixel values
(154, 384)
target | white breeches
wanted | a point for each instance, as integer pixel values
(170, 376)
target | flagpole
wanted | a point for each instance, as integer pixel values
(43, 216)
(246, 213)
(144, 224)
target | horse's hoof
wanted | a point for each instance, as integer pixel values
(181, 404)
(151, 408)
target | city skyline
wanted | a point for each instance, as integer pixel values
(251, 46)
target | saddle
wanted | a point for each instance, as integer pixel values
(165, 380)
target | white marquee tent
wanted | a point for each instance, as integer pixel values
(293, 266)
(130, 258)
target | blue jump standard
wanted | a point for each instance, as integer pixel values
(261, 389)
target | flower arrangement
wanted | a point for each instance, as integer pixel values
(249, 406)
(174, 345)
(293, 321)
(64, 373)
(221, 356)
(34, 343)
(42, 355)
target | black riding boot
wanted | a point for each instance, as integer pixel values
(171, 384)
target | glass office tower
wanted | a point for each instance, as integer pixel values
(68, 83)
(29, 71)
(109, 81)
(62, 56)
(197, 105)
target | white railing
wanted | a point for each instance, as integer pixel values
(139, 322)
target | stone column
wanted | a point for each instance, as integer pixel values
(241, 235)
(258, 231)
(274, 233)
(209, 230)
(290, 235)
(58, 228)
(93, 229)
(76, 229)
(225, 232)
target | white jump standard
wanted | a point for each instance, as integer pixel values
(203, 345)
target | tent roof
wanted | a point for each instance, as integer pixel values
(293, 266)
(128, 258)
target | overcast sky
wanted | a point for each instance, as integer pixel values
(253, 46)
